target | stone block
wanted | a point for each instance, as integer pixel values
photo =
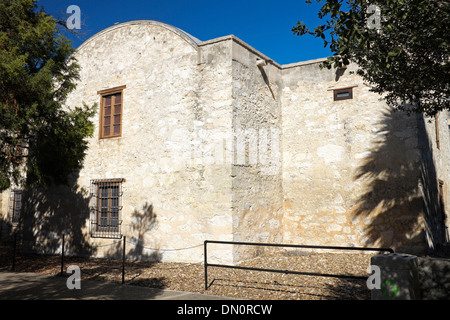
(399, 277)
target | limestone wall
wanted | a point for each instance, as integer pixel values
(434, 173)
(176, 103)
(256, 170)
(350, 173)
(214, 147)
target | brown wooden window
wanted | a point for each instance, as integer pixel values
(111, 112)
(106, 207)
(343, 94)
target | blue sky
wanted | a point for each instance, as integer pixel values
(264, 25)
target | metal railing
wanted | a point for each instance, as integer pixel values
(17, 242)
(206, 264)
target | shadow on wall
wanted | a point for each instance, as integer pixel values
(142, 222)
(433, 204)
(393, 208)
(48, 214)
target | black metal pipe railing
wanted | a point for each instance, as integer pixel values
(206, 264)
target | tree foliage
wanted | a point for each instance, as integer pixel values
(401, 47)
(41, 141)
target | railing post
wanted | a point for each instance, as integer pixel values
(14, 252)
(205, 263)
(62, 256)
(123, 260)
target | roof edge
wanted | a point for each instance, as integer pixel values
(193, 41)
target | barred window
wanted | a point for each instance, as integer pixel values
(15, 205)
(106, 208)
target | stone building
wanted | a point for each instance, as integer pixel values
(212, 140)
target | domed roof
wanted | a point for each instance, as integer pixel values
(189, 38)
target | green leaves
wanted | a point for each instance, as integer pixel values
(37, 72)
(403, 53)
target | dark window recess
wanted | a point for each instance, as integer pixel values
(106, 208)
(343, 94)
(15, 205)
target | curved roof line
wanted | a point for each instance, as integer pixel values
(193, 41)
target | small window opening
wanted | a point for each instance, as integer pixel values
(343, 94)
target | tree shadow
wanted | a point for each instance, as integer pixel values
(48, 214)
(142, 222)
(39, 287)
(401, 190)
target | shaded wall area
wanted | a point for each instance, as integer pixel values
(47, 214)
(434, 179)
(402, 205)
(64, 210)
(391, 206)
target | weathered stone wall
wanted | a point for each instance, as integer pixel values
(434, 168)
(256, 170)
(175, 105)
(5, 219)
(214, 147)
(434, 278)
(349, 167)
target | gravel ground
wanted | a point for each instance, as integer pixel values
(242, 284)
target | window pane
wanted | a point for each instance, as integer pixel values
(114, 202)
(117, 109)
(107, 121)
(117, 129)
(104, 202)
(115, 191)
(103, 222)
(113, 223)
(343, 94)
(118, 98)
(106, 131)
(117, 119)
(104, 192)
(114, 212)
(108, 101)
(107, 111)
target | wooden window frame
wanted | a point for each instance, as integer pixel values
(106, 208)
(103, 95)
(337, 91)
(340, 91)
